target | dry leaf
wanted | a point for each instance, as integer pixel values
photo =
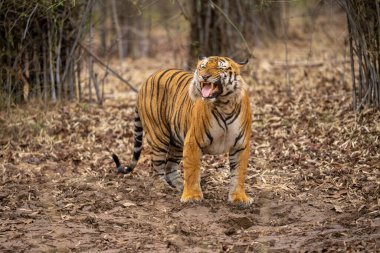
(128, 204)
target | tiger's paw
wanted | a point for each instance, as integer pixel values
(194, 196)
(176, 185)
(240, 199)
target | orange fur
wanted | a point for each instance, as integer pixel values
(178, 123)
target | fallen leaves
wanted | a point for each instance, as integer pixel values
(314, 165)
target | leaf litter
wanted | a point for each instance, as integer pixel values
(314, 173)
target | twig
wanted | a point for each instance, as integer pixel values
(27, 23)
(182, 10)
(102, 64)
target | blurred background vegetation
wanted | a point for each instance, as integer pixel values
(48, 49)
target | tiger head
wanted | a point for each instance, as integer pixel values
(216, 78)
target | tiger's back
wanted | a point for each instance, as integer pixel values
(164, 106)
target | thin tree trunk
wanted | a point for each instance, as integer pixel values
(71, 79)
(79, 87)
(352, 65)
(51, 64)
(38, 88)
(118, 32)
(286, 25)
(104, 30)
(58, 64)
(45, 72)
(97, 92)
(90, 65)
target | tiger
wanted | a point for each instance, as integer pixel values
(186, 115)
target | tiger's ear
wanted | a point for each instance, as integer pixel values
(242, 63)
(201, 57)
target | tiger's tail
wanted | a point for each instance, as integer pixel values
(136, 150)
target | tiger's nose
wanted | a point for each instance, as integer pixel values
(206, 76)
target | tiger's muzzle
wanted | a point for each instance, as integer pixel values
(211, 90)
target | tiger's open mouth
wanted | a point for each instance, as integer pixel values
(211, 90)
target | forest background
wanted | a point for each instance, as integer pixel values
(69, 72)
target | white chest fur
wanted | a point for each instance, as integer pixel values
(224, 138)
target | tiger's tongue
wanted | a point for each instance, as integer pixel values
(206, 90)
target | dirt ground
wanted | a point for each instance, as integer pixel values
(314, 170)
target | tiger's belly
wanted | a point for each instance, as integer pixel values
(223, 139)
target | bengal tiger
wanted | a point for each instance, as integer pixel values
(186, 115)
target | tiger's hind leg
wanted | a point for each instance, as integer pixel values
(159, 163)
(172, 175)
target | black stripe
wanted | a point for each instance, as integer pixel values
(188, 112)
(171, 172)
(154, 119)
(209, 136)
(237, 107)
(197, 141)
(223, 120)
(236, 115)
(116, 160)
(228, 93)
(158, 149)
(173, 160)
(185, 100)
(174, 143)
(180, 81)
(176, 157)
(219, 102)
(179, 109)
(158, 162)
(233, 166)
(136, 155)
(230, 73)
(241, 134)
(217, 120)
(139, 135)
(237, 151)
(160, 104)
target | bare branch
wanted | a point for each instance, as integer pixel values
(27, 23)
(107, 68)
(185, 15)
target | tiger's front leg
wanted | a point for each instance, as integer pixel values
(191, 168)
(238, 166)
